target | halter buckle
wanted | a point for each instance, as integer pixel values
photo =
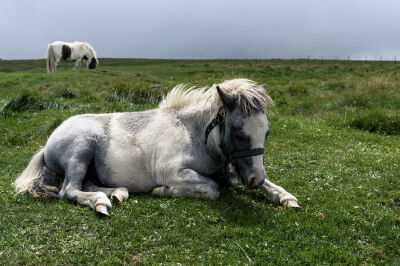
(220, 118)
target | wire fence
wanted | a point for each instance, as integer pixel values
(394, 58)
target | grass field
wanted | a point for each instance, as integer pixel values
(334, 144)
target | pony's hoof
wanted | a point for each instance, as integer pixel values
(157, 191)
(120, 194)
(117, 196)
(101, 209)
(51, 189)
(291, 204)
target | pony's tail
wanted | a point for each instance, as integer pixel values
(28, 177)
(50, 59)
(37, 179)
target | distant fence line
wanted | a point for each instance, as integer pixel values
(322, 58)
(337, 58)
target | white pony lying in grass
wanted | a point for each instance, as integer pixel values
(195, 142)
(75, 51)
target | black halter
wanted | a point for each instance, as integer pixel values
(219, 120)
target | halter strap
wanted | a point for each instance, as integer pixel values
(230, 156)
(219, 120)
(247, 153)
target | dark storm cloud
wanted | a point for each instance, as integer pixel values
(204, 29)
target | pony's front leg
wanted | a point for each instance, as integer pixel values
(77, 64)
(189, 184)
(279, 195)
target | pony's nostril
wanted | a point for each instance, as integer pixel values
(253, 180)
(256, 179)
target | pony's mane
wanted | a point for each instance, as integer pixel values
(249, 95)
(91, 50)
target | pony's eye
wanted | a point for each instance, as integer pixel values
(242, 137)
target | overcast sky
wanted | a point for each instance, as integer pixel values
(205, 28)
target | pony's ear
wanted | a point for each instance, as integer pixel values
(227, 100)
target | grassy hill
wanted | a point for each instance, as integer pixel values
(334, 144)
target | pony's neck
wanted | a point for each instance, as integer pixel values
(214, 138)
(201, 116)
(88, 51)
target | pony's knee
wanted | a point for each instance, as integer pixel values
(209, 191)
(213, 192)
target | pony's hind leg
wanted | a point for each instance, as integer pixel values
(189, 184)
(98, 200)
(120, 193)
(57, 60)
(76, 167)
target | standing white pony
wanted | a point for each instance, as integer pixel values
(75, 51)
(195, 142)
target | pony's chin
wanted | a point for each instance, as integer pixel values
(244, 180)
(252, 187)
(247, 185)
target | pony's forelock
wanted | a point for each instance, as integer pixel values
(249, 95)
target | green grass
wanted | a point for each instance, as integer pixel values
(334, 144)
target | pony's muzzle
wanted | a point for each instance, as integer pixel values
(256, 179)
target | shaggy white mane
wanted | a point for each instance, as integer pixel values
(248, 94)
(90, 49)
